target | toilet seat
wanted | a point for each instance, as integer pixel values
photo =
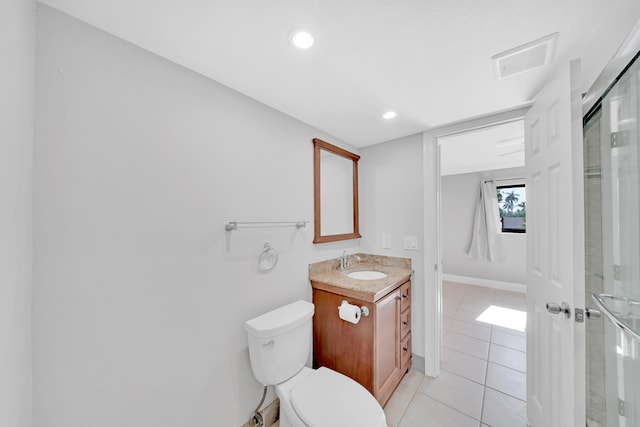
(328, 398)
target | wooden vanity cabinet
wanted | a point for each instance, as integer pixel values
(376, 352)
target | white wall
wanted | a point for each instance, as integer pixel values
(139, 293)
(459, 197)
(17, 41)
(391, 202)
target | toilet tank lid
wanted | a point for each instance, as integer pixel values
(280, 320)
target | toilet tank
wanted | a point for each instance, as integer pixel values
(280, 342)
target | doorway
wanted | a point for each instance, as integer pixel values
(485, 353)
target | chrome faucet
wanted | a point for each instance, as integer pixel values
(345, 261)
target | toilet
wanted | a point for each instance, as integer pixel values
(279, 347)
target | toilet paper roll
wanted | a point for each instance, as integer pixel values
(350, 313)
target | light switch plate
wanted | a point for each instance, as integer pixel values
(386, 241)
(411, 243)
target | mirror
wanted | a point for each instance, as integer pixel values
(335, 177)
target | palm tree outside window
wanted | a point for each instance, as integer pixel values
(512, 205)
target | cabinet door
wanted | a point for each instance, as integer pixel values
(340, 345)
(387, 346)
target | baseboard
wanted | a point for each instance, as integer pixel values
(495, 284)
(417, 363)
(270, 415)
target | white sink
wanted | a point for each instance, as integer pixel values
(366, 275)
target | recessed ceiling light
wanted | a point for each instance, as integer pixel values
(302, 39)
(389, 115)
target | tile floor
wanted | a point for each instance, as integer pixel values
(482, 380)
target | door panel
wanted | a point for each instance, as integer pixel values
(553, 133)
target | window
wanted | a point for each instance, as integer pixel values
(512, 203)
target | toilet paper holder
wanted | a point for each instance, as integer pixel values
(364, 310)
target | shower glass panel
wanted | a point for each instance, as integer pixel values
(612, 226)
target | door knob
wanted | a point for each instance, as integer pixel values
(554, 308)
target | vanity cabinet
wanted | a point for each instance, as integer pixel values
(376, 352)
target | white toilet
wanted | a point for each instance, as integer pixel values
(279, 346)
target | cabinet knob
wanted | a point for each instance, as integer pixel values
(405, 323)
(405, 349)
(405, 296)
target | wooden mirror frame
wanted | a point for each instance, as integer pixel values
(319, 145)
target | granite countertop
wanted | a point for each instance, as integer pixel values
(326, 276)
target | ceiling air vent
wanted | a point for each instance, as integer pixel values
(526, 57)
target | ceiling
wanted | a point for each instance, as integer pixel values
(488, 148)
(428, 60)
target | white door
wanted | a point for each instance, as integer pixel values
(555, 253)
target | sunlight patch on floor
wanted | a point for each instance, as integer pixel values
(505, 317)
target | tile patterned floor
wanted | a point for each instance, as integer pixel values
(482, 380)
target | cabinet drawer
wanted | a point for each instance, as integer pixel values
(405, 322)
(405, 293)
(405, 350)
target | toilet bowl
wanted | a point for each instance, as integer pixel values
(279, 346)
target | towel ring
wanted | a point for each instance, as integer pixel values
(268, 258)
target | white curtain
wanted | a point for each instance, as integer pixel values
(486, 241)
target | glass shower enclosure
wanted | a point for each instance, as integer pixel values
(612, 231)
